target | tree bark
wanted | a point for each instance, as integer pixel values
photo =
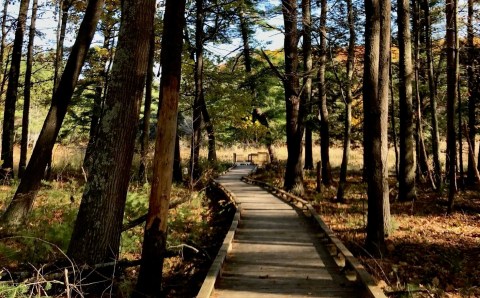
(26, 92)
(473, 95)
(177, 162)
(459, 96)
(451, 15)
(97, 230)
(147, 110)
(294, 107)
(195, 171)
(375, 94)
(348, 99)
(94, 122)
(392, 116)
(245, 38)
(212, 151)
(322, 93)
(307, 78)
(154, 244)
(61, 30)
(433, 96)
(3, 45)
(406, 177)
(12, 93)
(23, 199)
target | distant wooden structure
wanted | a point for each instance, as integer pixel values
(258, 159)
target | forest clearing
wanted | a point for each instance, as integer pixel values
(118, 116)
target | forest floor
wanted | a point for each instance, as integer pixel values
(430, 253)
(28, 254)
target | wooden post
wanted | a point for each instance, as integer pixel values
(319, 176)
(234, 158)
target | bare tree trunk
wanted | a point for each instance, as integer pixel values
(322, 93)
(95, 120)
(100, 95)
(62, 25)
(294, 107)
(155, 236)
(423, 169)
(459, 96)
(195, 171)
(375, 94)
(348, 108)
(392, 116)
(12, 94)
(147, 110)
(26, 192)
(433, 96)
(212, 151)
(473, 94)
(3, 45)
(451, 15)
(26, 92)
(61, 30)
(406, 176)
(307, 78)
(97, 230)
(245, 38)
(177, 162)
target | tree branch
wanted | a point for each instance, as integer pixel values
(274, 68)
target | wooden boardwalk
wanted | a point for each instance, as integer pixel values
(276, 251)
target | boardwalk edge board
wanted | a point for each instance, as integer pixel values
(339, 250)
(215, 270)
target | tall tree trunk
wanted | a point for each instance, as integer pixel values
(348, 107)
(177, 162)
(26, 92)
(195, 171)
(61, 30)
(406, 176)
(100, 94)
(307, 78)
(375, 94)
(459, 96)
(147, 110)
(62, 25)
(322, 93)
(97, 230)
(394, 126)
(95, 120)
(155, 236)
(473, 94)
(3, 45)
(433, 96)
(245, 38)
(423, 169)
(294, 107)
(23, 199)
(212, 151)
(451, 15)
(8, 131)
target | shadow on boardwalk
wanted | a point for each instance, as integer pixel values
(276, 251)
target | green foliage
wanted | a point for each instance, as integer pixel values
(13, 291)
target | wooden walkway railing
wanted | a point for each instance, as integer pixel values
(273, 250)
